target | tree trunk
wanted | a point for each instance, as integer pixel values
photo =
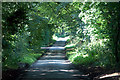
(117, 38)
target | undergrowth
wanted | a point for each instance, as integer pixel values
(90, 54)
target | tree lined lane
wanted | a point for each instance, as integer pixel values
(52, 66)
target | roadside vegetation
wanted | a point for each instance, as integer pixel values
(93, 29)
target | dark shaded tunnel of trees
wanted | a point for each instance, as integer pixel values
(93, 29)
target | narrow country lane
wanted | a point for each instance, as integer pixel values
(52, 66)
(86, 36)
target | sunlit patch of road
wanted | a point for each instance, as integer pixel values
(52, 65)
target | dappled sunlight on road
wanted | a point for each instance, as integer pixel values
(53, 64)
(61, 70)
(53, 48)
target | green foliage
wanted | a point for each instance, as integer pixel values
(93, 28)
(69, 46)
(97, 35)
(92, 55)
(24, 32)
(31, 58)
